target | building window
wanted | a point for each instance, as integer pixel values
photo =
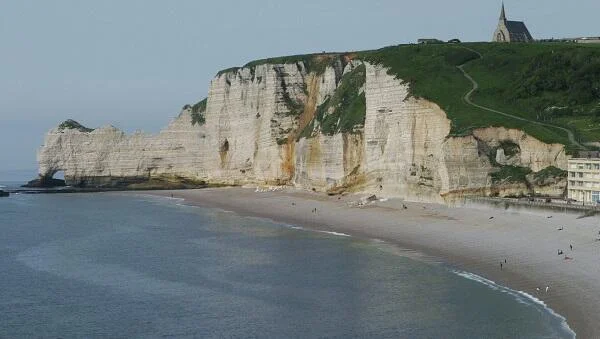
(595, 196)
(580, 175)
(588, 166)
(580, 183)
(572, 174)
(597, 166)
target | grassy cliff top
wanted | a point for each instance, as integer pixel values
(554, 83)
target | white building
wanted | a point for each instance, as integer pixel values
(584, 180)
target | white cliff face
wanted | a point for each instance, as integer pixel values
(96, 157)
(403, 139)
(253, 118)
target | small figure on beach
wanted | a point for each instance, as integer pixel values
(538, 289)
(571, 246)
(293, 204)
(404, 206)
(549, 217)
(561, 228)
(547, 288)
(500, 266)
(505, 261)
(491, 218)
(560, 252)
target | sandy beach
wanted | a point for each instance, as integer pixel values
(476, 239)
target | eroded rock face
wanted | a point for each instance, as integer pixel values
(533, 153)
(251, 134)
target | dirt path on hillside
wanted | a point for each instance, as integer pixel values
(467, 99)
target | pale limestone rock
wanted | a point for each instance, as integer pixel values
(534, 153)
(249, 136)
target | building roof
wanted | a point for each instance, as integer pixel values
(518, 28)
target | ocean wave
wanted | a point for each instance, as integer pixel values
(299, 228)
(334, 233)
(520, 296)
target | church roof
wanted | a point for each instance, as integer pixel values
(518, 28)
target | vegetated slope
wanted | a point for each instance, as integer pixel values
(345, 111)
(555, 83)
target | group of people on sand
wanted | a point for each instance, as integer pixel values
(269, 189)
(559, 251)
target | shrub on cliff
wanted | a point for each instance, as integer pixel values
(552, 173)
(72, 124)
(198, 111)
(511, 175)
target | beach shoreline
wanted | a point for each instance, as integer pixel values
(474, 238)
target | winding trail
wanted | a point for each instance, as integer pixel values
(467, 99)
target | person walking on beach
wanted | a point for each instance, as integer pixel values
(500, 266)
(571, 247)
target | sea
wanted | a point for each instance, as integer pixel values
(113, 265)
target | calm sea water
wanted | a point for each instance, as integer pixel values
(109, 265)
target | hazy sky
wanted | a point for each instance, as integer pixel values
(135, 63)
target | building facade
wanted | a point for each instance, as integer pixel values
(584, 180)
(511, 31)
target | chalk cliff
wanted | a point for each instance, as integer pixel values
(349, 126)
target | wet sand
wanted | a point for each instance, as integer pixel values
(475, 238)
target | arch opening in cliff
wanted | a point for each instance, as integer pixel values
(55, 178)
(58, 175)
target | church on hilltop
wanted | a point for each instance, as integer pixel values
(511, 31)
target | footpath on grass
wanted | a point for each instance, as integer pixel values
(469, 101)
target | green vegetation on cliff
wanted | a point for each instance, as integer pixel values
(345, 111)
(198, 111)
(72, 124)
(431, 71)
(314, 63)
(549, 173)
(510, 175)
(553, 83)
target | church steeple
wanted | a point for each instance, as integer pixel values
(502, 13)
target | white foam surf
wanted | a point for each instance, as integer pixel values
(520, 296)
(334, 233)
